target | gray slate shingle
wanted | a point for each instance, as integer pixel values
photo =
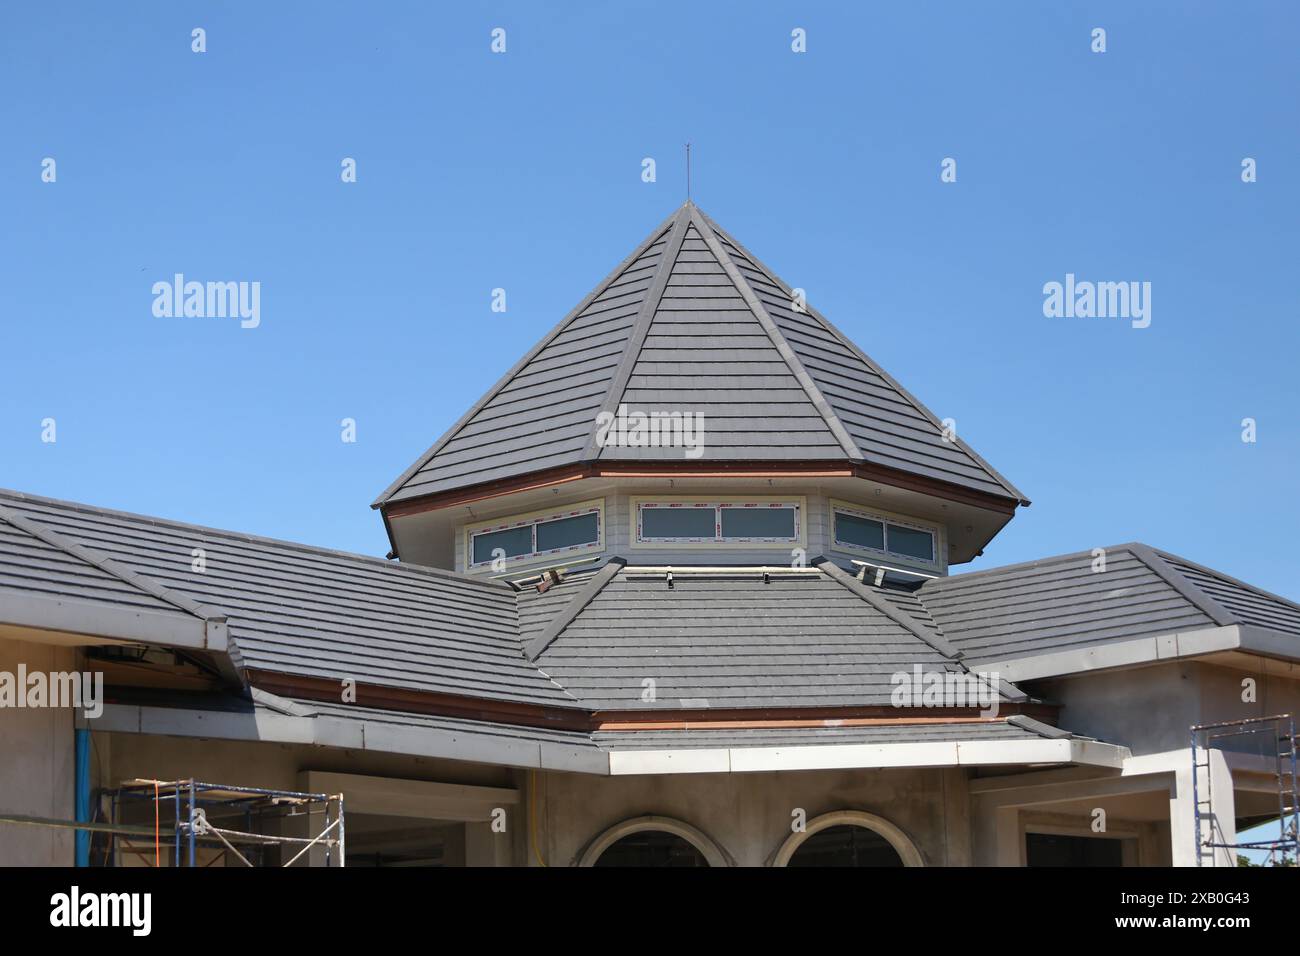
(692, 322)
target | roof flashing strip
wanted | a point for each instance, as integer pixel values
(590, 588)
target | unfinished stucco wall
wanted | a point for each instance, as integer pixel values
(749, 815)
(1147, 709)
(1151, 709)
(37, 764)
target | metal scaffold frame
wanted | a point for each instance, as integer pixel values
(1282, 851)
(194, 805)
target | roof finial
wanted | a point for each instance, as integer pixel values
(688, 172)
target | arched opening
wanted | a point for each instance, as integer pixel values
(845, 845)
(653, 842)
(651, 848)
(848, 838)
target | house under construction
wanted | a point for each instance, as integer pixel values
(674, 592)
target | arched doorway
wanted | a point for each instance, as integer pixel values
(653, 842)
(848, 838)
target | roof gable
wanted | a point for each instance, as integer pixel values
(692, 322)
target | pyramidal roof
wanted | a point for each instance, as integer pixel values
(692, 322)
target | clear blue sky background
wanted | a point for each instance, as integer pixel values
(523, 171)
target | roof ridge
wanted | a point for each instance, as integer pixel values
(111, 566)
(528, 356)
(369, 559)
(585, 595)
(779, 341)
(871, 363)
(896, 614)
(1168, 555)
(681, 219)
(939, 582)
(1165, 557)
(1002, 687)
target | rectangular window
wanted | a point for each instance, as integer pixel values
(513, 541)
(679, 522)
(718, 522)
(861, 531)
(532, 536)
(759, 521)
(910, 542)
(568, 532)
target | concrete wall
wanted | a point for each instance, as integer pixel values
(1151, 709)
(749, 816)
(37, 764)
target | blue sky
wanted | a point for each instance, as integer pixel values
(522, 171)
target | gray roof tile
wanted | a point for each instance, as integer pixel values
(1062, 603)
(692, 322)
(320, 613)
(724, 641)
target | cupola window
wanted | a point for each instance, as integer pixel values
(755, 521)
(543, 534)
(857, 530)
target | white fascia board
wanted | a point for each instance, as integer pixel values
(102, 620)
(846, 756)
(1145, 650)
(1270, 643)
(1097, 754)
(482, 747)
(359, 734)
(220, 725)
(685, 760)
(973, 753)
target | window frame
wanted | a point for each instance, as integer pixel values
(594, 506)
(886, 519)
(717, 542)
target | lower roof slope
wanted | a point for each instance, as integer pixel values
(36, 563)
(317, 613)
(704, 640)
(599, 639)
(1072, 602)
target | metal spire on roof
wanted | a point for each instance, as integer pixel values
(688, 172)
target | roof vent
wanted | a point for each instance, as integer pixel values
(549, 579)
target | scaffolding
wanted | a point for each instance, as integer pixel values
(1277, 733)
(186, 814)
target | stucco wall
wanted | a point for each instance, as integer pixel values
(37, 764)
(1150, 709)
(749, 815)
